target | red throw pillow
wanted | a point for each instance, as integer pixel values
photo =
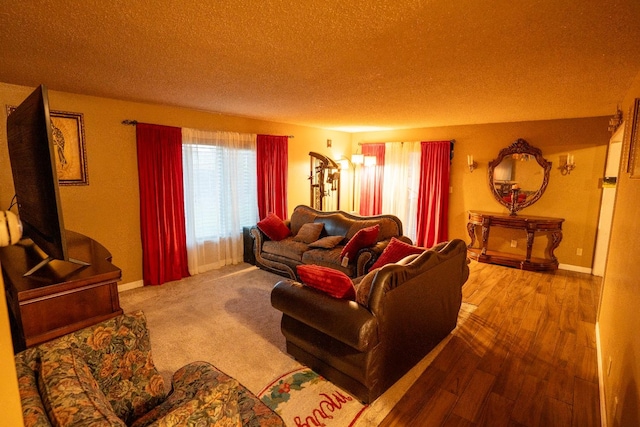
(330, 281)
(394, 252)
(274, 227)
(362, 239)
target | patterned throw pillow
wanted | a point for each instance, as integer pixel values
(309, 232)
(328, 242)
(332, 282)
(274, 227)
(362, 239)
(394, 252)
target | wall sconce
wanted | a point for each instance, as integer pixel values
(370, 161)
(567, 164)
(471, 163)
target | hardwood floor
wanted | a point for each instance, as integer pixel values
(525, 357)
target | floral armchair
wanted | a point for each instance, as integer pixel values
(104, 376)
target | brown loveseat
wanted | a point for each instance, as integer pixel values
(104, 375)
(283, 256)
(403, 310)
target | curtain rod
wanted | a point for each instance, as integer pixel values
(128, 122)
(395, 142)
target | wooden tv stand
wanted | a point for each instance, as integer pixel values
(61, 297)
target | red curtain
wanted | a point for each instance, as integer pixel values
(162, 226)
(433, 193)
(371, 181)
(272, 153)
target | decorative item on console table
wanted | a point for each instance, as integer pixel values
(534, 226)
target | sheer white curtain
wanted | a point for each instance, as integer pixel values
(402, 180)
(220, 195)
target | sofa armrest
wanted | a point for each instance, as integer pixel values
(344, 320)
(200, 395)
(33, 411)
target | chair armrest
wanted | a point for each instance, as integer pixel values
(344, 320)
(200, 394)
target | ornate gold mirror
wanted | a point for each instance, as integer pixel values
(518, 176)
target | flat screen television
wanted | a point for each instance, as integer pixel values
(35, 178)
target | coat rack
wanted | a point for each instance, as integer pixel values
(324, 179)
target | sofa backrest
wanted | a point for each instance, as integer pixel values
(445, 262)
(118, 353)
(340, 223)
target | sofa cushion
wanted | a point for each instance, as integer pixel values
(330, 281)
(327, 242)
(200, 396)
(70, 393)
(274, 227)
(287, 248)
(328, 258)
(395, 251)
(364, 238)
(309, 232)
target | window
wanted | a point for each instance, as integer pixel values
(220, 195)
(214, 192)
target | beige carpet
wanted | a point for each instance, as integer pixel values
(225, 317)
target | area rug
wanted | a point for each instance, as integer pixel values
(304, 398)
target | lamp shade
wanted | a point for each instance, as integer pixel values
(10, 228)
(357, 159)
(370, 160)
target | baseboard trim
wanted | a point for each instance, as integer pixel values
(603, 403)
(574, 268)
(131, 285)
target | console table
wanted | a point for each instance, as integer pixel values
(533, 226)
(61, 297)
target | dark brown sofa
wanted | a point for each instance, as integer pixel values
(366, 347)
(285, 255)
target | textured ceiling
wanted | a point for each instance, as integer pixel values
(334, 63)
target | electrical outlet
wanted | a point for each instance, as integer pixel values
(579, 251)
(514, 243)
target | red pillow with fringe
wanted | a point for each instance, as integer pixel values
(362, 239)
(394, 252)
(332, 282)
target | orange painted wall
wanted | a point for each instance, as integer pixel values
(618, 317)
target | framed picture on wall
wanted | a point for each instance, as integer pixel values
(630, 146)
(67, 130)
